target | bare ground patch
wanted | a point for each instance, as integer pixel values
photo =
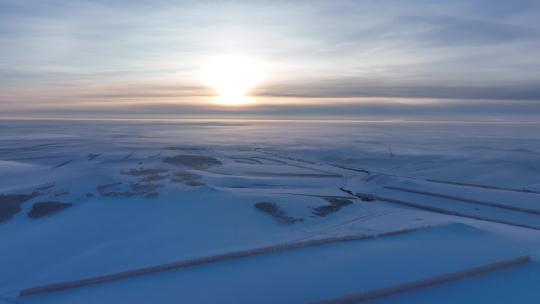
(192, 161)
(42, 209)
(335, 204)
(62, 164)
(10, 204)
(144, 171)
(93, 156)
(185, 148)
(187, 178)
(139, 188)
(276, 212)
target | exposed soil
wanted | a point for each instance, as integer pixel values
(153, 178)
(193, 161)
(62, 164)
(10, 204)
(335, 205)
(140, 188)
(187, 178)
(42, 209)
(184, 148)
(247, 160)
(128, 156)
(144, 188)
(45, 187)
(276, 212)
(61, 192)
(93, 156)
(143, 171)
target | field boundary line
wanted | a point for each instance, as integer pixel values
(435, 280)
(523, 190)
(464, 199)
(372, 197)
(210, 259)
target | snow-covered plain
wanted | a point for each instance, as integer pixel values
(81, 199)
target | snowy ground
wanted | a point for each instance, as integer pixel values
(80, 199)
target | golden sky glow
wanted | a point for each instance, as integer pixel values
(94, 55)
(232, 76)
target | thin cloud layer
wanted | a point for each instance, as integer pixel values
(55, 52)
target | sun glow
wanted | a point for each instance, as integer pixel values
(232, 77)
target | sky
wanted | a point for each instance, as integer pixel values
(462, 58)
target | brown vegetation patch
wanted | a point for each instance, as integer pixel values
(336, 203)
(193, 161)
(10, 204)
(143, 171)
(276, 212)
(42, 209)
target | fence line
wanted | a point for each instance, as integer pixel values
(365, 196)
(435, 280)
(209, 259)
(464, 199)
(522, 190)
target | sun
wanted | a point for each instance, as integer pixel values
(232, 77)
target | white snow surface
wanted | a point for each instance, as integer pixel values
(144, 193)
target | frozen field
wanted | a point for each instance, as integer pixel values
(269, 212)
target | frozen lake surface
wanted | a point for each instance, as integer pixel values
(422, 201)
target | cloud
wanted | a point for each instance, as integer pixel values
(150, 51)
(364, 109)
(346, 88)
(458, 31)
